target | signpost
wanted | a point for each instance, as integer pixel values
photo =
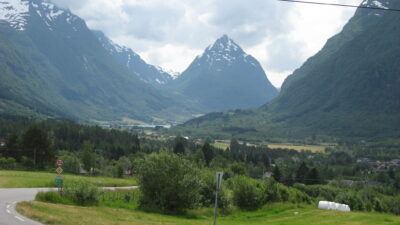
(59, 170)
(218, 186)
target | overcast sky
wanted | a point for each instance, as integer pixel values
(171, 33)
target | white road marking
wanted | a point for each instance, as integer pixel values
(14, 203)
(8, 211)
(8, 206)
(19, 218)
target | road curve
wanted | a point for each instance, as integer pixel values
(11, 196)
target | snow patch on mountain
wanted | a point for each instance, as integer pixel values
(15, 13)
(382, 4)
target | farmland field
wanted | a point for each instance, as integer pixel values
(313, 148)
(24, 179)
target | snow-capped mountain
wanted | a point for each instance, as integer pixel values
(14, 13)
(52, 64)
(381, 4)
(127, 57)
(19, 13)
(225, 77)
(225, 52)
(349, 89)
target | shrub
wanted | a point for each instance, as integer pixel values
(168, 183)
(247, 192)
(320, 191)
(297, 196)
(52, 197)
(82, 192)
(208, 192)
(273, 191)
(7, 163)
(238, 169)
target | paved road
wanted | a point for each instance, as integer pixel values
(9, 197)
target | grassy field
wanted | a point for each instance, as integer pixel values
(23, 179)
(273, 214)
(313, 148)
(221, 145)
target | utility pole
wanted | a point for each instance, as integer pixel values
(219, 180)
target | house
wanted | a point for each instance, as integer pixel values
(2, 143)
(395, 161)
(266, 176)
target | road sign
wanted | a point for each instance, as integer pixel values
(59, 162)
(58, 181)
(59, 170)
(219, 179)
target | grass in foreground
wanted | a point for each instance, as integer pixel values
(272, 214)
(24, 179)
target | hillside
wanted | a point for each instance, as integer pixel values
(127, 57)
(351, 88)
(52, 65)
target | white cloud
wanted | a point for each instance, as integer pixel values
(170, 33)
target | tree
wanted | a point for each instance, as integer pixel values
(169, 182)
(301, 173)
(265, 160)
(313, 177)
(179, 147)
(13, 148)
(276, 174)
(239, 169)
(72, 163)
(88, 157)
(208, 153)
(37, 147)
(247, 192)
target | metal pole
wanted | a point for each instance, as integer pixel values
(216, 204)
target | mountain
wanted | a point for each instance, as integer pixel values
(127, 57)
(52, 65)
(351, 88)
(224, 77)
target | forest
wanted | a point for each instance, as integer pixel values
(365, 176)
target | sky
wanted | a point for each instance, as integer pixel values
(171, 33)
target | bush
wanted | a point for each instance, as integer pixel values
(168, 183)
(208, 192)
(52, 197)
(297, 196)
(325, 192)
(274, 191)
(7, 163)
(82, 193)
(247, 193)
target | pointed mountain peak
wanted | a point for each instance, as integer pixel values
(224, 52)
(225, 44)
